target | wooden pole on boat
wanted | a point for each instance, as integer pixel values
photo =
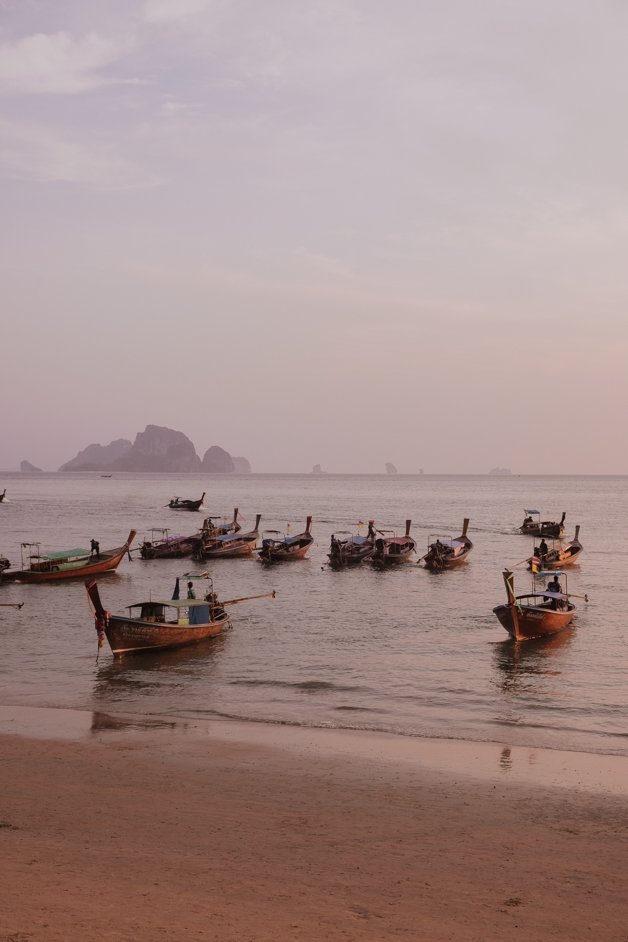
(11, 604)
(249, 598)
(512, 601)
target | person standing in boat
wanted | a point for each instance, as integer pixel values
(555, 586)
(95, 545)
(191, 592)
(542, 551)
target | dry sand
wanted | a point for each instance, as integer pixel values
(244, 832)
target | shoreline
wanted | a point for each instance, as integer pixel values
(118, 827)
(481, 761)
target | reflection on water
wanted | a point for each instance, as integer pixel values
(523, 666)
(125, 677)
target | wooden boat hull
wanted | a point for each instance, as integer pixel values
(135, 636)
(186, 504)
(448, 562)
(174, 549)
(350, 555)
(563, 559)
(107, 561)
(284, 554)
(523, 622)
(390, 553)
(230, 550)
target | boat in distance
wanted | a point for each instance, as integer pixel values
(277, 547)
(181, 503)
(533, 525)
(537, 614)
(163, 546)
(3, 495)
(162, 624)
(66, 564)
(391, 550)
(229, 545)
(563, 554)
(443, 552)
(349, 549)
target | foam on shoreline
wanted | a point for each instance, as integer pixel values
(480, 761)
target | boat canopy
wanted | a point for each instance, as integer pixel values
(67, 554)
(172, 603)
(532, 513)
(545, 573)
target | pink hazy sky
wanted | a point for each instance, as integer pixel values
(315, 231)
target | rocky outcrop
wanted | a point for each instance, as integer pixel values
(390, 468)
(241, 465)
(27, 466)
(217, 461)
(98, 457)
(159, 449)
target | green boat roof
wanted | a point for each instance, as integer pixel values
(66, 554)
(173, 603)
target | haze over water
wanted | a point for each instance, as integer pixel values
(405, 650)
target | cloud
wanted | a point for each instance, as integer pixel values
(30, 152)
(165, 11)
(57, 63)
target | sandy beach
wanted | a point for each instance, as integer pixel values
(112, 829)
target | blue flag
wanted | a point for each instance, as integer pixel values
(175, 594)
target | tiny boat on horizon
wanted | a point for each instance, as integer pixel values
(3, 495)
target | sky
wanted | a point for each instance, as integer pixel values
(336, 232)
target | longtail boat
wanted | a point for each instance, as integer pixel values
(349, 549)
(230, 545)
(560, 555)
(565, 554)
(277, 547)
(443, 552)
(211, 530)
(163, 546)
(533, 525)
(537, 614)
(390, 550)
(180, 503)
(66, 564)
(160, 624)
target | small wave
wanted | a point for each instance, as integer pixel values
(299, 685)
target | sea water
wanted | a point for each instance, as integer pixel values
(402, 650)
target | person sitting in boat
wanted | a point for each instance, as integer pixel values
(555, 586)
(95, 545)
(191, 592)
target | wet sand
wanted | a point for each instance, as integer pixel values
(116, 828)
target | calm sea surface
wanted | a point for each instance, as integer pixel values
(403, 651)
